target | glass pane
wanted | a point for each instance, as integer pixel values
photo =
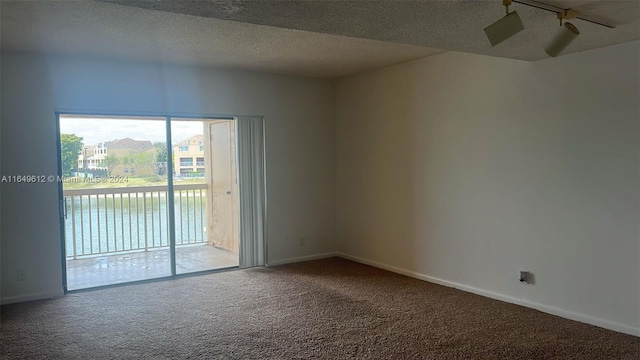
(206, 194)
(115, 194)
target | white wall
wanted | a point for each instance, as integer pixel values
(458, 168)
(298, 113)
(465, 169)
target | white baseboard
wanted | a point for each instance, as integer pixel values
(30, 297)
(493, 295)
(301, 259)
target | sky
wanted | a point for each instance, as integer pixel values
(94, 130)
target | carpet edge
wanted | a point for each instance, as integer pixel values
(583, 318)
(302, 259)
(30, 297)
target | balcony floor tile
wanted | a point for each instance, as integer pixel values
(120, 268)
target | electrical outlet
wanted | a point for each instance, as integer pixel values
(301, 242)
(21, 275)
(524, 277)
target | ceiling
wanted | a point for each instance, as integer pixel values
(320, 38)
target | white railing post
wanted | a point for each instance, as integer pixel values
(73, 225)
(144, 216)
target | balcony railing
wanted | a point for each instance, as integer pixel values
(126, 219)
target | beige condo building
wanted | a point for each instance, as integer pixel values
(188, 157)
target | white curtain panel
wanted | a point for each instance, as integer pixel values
(251, 172)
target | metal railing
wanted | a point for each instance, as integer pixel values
(127, 219)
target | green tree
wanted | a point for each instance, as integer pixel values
(160, 167)
(110, 162)
(143, 159)
(139, 161)
(161, 151)
(70, 147)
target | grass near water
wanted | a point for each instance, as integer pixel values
(122, 181)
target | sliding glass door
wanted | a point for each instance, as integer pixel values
(206, 194)
(121, 222)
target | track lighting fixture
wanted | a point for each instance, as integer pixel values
(511, 24)
(504, 28)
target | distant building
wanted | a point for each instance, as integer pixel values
(88, 158)
(188, 157)
(92, 157)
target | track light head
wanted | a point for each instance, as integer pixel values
(563, 37)
(504, 28)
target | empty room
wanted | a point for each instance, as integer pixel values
(237, 179)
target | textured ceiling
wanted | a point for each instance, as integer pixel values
(444, 24)
(315, 38)
(108, 31)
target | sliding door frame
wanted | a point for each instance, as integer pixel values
(170, 190)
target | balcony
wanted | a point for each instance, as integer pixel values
(116, 235)
(186, 161)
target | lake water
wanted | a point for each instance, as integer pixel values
(121, 223)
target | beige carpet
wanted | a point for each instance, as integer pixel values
(329, 309)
